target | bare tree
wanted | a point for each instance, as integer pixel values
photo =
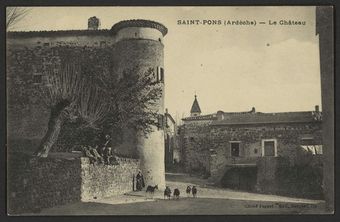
(69, 93)
(15, 15)
(62, 93)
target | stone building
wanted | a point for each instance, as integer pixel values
(133, 43)
(172, 152)
(233, 148)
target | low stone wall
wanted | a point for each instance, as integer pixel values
(99, 181)
(34, 184)
(42, 183)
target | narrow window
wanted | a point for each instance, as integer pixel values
(160, 121)
(160, 74)
(157, 74)
(235, 149)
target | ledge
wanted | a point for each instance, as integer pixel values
(138, 23)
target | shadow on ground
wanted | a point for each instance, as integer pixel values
(186, 206)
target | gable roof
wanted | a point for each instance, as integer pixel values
(195, 108)
(264, 118)
(253, 117)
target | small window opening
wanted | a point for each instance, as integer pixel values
(37, 78)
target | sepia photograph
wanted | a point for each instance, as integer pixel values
(224, 110)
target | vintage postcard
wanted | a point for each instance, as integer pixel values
(170, 110)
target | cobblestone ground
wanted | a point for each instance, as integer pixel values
(209, 201)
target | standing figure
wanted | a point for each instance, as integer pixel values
(167, 192)
(107, 153)
(194, 191)
(188, 190)
(139, 181)
(107, 140)
(176, 193)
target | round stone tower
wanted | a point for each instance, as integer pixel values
(139, 44)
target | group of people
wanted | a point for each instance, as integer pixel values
(176, 194)
(102, 155)
(138, 185)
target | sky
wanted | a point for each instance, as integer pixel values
(274, 68)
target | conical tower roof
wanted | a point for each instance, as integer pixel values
(195, 107)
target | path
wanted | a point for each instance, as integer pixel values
(210, 201)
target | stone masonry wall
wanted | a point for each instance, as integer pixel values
(276, 175)
(34, 184)
(195, 142)
(99, 181)
(288, 137)
(27, 113)
(209, 146)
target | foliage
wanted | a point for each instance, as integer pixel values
(14, 15)
(88, 91)
(134, 101)
(301, 181)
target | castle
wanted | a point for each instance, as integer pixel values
(135, 43)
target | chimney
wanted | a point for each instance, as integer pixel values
(220, 115)
(253, 110)
(93, 23)
(166, 110)
(317, 108)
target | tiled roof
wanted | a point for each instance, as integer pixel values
(28, 34)
(201, 117)
(195, 107)
(263, 118)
